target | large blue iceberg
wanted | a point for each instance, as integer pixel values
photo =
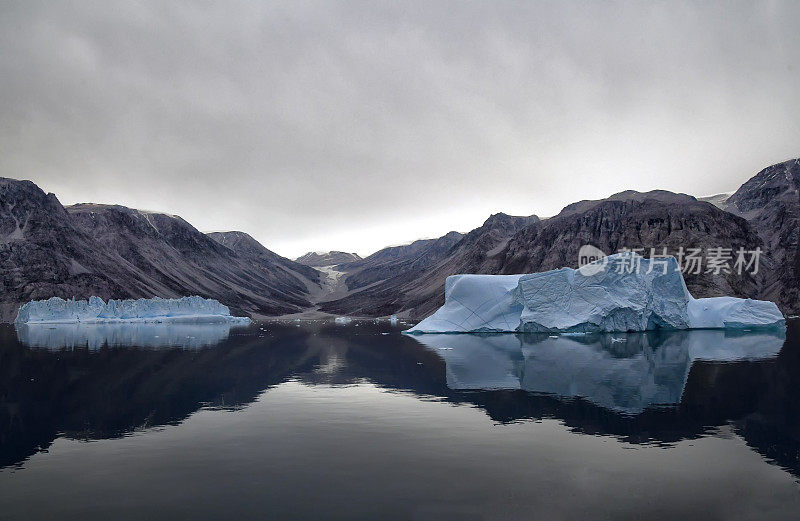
(96, 311)
(599, 297)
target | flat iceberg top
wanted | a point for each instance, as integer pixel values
(646, 294)
(96, 311)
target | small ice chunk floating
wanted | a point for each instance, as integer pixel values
(96, 311)
(598, 297)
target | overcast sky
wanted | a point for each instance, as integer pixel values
(354, 125)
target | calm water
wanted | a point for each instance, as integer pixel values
(318, 421)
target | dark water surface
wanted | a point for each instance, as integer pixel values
(319, 421)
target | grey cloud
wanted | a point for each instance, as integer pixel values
(315, 125)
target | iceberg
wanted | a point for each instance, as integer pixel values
(619, 293)
(96, 311)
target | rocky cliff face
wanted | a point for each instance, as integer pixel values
(638, 220)
(43, 255)
(771, 202)
(116, 252)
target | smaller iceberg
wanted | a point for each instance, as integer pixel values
(96, 311)
(599, 297)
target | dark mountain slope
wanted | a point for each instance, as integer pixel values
(116, 252)
(43, 255)
(417, 286)
(395, 260)
(291, 273)
(771, 202)
(637, 220)
(506, 245)
(170, 253)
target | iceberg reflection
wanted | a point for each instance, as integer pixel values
(147, 335)
(621, 372)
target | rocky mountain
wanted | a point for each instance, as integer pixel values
(394, 260)
(415, 283)
(117, 252)
(246, 246)
(43, 255)
(112, 251)
(661, 220)
(771, 203)
(653, 220)
(331, 258)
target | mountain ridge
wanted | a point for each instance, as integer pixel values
(112, 251)
(47, 249)
(764, 213)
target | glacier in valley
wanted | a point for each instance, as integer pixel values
(96, 311)
(598, 297)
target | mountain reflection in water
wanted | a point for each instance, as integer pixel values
(654, 388)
